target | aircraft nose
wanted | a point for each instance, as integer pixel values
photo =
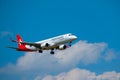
(75, 37)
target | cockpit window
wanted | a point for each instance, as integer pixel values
(70, 34)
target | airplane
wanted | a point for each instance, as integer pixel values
(58, 42)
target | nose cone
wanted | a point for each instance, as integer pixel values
(75, 37)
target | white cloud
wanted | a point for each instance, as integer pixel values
(110, 54)
(81, 52)
(82, 74)
(109, 76)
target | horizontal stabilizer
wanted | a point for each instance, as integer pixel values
(12, 40)
(12, 47)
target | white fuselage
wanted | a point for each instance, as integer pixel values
(54, 42)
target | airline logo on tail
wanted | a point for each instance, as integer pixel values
(19, 39)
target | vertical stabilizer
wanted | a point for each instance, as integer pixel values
(19, 39)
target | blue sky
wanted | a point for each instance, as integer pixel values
(95, 21)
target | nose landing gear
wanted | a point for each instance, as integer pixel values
(70, 44)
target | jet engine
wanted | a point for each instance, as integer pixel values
(62, 47)
(45, 45)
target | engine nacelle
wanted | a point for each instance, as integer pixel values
(45, 45)
(62, 47)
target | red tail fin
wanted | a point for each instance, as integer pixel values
(19, 39)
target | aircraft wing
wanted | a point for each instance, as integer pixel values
(37, 45)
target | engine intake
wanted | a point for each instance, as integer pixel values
(62, 47)
(45, 45)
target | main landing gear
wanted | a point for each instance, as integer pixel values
(52, 51)
(40, 51)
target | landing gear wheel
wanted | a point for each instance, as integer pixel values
(70, 44)
(52, 52)
(40, 51)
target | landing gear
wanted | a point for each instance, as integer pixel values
(70, 43)
(52, 52)
(40, 51)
